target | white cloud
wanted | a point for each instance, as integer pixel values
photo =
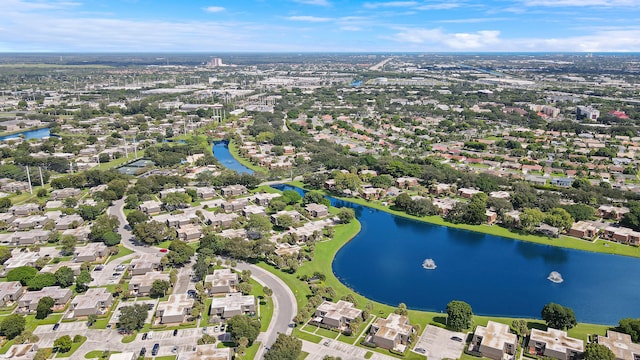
(439, 6)
(214, 9)
(312, 19)
(350, 28)
(390, 4)
(313, 2)
(472, 20)
(582, 3)
(21, 5)
(451, 41)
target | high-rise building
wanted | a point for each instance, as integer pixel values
(587, 112)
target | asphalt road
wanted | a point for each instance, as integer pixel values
(117, 209)
(284, 305)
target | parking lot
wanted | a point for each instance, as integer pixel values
(439, 343)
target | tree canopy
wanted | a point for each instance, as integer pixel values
(558, 316)
(133, 317)
(241, 326)
(44, 307)
(595, 351)
(459, 315)
(285, 347)
(12, 325)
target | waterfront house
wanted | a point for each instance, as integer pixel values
(394, 332)
(555, 344)
(336, 315)
(494, 341)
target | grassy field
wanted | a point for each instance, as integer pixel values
(600, 246)
(122, 252)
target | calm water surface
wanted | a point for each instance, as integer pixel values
(221, 152)
(30, 134)
(495, 275)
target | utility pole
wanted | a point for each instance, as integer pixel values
(29, 179)
(41, 179)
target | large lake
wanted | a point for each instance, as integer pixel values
(495, 275)
(29, 134)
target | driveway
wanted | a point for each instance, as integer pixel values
(438, 343)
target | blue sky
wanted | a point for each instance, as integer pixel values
(319, 25)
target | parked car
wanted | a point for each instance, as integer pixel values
(150, 335)
(175, 349)
(156, 348)
(143, 351)
(144, 336)
(56, 326)
(455, 338)
(175, 332)
(420, 350)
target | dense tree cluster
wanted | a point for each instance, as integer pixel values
(558, 316)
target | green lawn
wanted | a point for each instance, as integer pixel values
(74, 347)
(205, 313)
(168, 357)
(98, 353)
(251, 351)
(122, 252)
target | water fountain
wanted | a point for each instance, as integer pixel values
(429, 264)
(555, 277)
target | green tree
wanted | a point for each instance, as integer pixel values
(459, 315)
(558, 316)
(259, 223)
(41, 281)
(315, 197)
(401, 309)
(345, 215)
(595, 351)
(101, 225)
(133, 317)
(111, 238)
(243, 326)
(630, 326)
(559, 218)
(285, 221)
(82, 281)
(520, 327)
(135, 217)
(159, 288)
(244, 288)
(632, 218)
(153, 232)
(285, 347)
(64, 276)
(91, 319)
(63, 344)
(67, 244)
(180, 253)
(12, 325)
(44, 307)
(22, 274)
(5, 254)
(531, 218)
(267, 291)
(5, 204)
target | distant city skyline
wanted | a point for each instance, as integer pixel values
(319, 26)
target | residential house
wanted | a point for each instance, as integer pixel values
(490, 216)
(336, 315)
(292, 213)
(234, 190)
(221, 220)
(235, 205)
(30, 222)
(500, 195)
(62, 194)
(317, 210)
(621, 234)
(68, 222)
(144, 264)
(140, 285)
(205, 193)
(10, 291)
(264, 199)
(620, 344)
(150, 207)
(29, 301)
(189, 232)
(494, 341)
(612, 212)
(206, 352)
(467, 193)
(233, 304)
(253, 210)
(371, 193)
(583, 230)
(21, 258)
(94, 302)
(555, 344)
(175, 308)
(394, 332)
(24, 209)
(407, 182)
(564, 182)
(80, 233)
(222, 281)
(91, 252)
(29, 237)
